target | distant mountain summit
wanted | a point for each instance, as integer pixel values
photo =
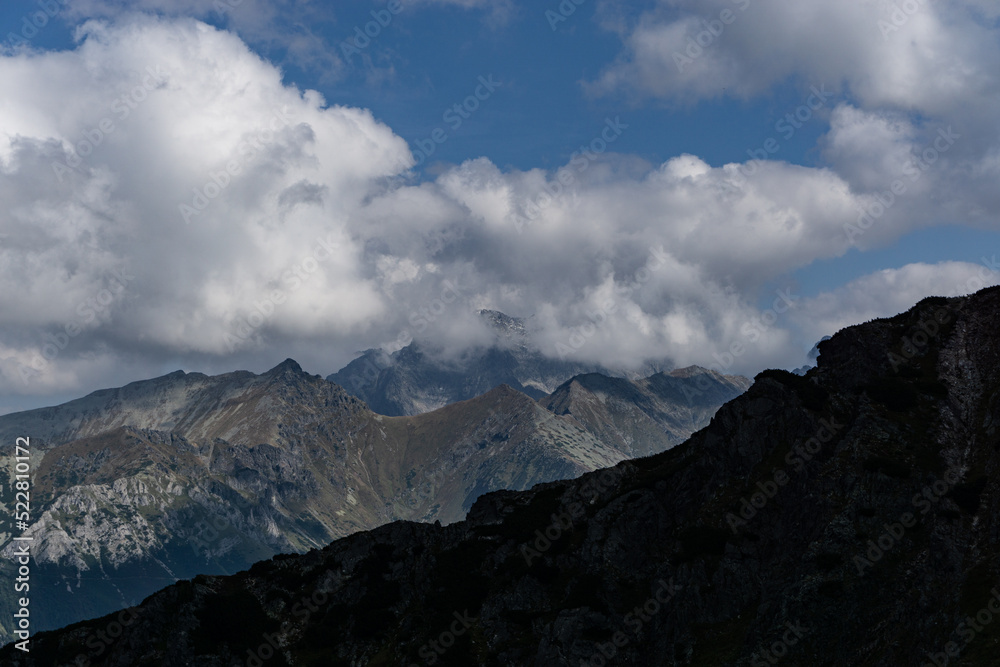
(187, 474)
(508, 328)
(413, 380)
(649, 415)
(848, 517)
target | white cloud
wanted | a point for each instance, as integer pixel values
(891, 291)
(306, 236)
(171, 106)
(903, 73)
(291, 25)
(689, 49)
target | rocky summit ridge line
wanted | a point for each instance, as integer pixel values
(848, 517)
(138, 487)
(418, 378)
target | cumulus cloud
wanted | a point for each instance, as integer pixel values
(165, 164)
(169, 202)
(919, 58)
(900, 73)
(932, 59)
(290, 25)
(891, 291)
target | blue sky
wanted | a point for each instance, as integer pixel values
(539, 117)
(669, 180)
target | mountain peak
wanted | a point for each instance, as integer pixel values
(900, 415)
(286, 366)
(691, 371)
(504, 325)
(409, 381)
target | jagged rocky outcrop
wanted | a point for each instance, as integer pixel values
(649, 415)
(413, 380)
(138, 487)
(849, 517)
(811, 356)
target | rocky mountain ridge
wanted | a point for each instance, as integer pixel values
(848, 517)
(187, 474)
(415, 379)
(645, 416)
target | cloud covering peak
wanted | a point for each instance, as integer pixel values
(170, 200)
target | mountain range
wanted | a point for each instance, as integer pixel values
(186, 474)
(419, 378)
(845, 517)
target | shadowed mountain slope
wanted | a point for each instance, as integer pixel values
(849, 517)
(649, 415)
(138, 487)
(413, 380)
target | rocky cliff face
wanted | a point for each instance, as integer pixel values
(849, 517)
(138, 487)
(414, 380)
(649, 415)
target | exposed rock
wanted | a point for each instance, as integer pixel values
(137, 487)
(414, 380)
(649, 415)
(869, 535)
